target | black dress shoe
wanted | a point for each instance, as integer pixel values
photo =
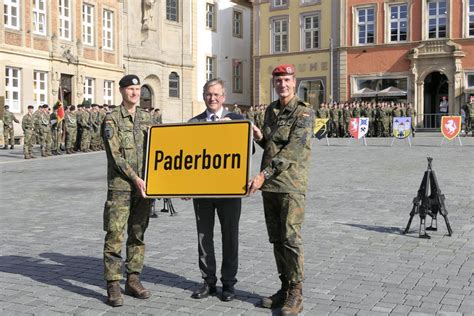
(228, 293)
(204, 291)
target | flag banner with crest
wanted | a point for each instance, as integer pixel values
(401, 127)
(60, 110)
(320, 128)
(358, 127)
(450, 126)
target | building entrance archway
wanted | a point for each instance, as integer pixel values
(435, 87)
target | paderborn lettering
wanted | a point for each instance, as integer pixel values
(198, 161)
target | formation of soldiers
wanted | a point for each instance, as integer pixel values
(340, 114)
(80, 130)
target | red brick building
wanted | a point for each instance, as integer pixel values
(413, 50)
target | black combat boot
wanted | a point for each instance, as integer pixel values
(134, 287)
(114, 294)
(294, 302)
(277, 299)
(11, 147)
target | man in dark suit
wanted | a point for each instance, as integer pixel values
(228, 211)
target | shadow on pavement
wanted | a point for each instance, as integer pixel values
(379, 229)
(67, 271)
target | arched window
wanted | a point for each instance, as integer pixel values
(174, 85)
(146, 97)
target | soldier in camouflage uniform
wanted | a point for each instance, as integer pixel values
(157, 117)
(469, 120)
(86, 127)
(95, 127)
(56, 131)
(28, 126)
(346, 114)
(125, 130)
(45, 131)
(8, 131)
(70, 119)
(410, 111)
(286, 140)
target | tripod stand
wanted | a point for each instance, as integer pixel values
(429, 201)
(168, 207)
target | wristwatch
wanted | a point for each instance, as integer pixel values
(267, 174)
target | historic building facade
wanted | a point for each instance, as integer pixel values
(45, 44)
(159, 47)
(300, 32)
(224, 49)
(415, 51)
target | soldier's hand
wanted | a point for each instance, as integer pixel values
(256, 183)
(140, 184)
(257, 133)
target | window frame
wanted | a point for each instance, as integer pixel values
(303, 30)
(437, 17)
(107, 16)
(88, 31)
(10, 89)
(65, 19)
(467, 14)
(37, 14)
(109, 92)
(388, 33)
(176, 80)
(300, 82)
(8, 17)
(273, 35)
(237, 78)
(240, 27)
(40, 96)
(172, 16)
(211, 71)
(304, 3)
(211, 16)
(89, 96)
(283, 4)
(356, 31)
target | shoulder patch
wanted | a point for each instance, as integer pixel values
(109, 127)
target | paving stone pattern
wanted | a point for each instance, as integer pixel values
(357, 261)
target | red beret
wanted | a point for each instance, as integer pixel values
(283, 70)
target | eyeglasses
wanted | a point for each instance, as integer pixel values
(210, 95)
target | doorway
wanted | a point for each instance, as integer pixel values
(66, 87)
(146, 98)
(435, 87)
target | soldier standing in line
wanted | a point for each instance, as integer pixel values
(469, 120)
(356, 110)
(86, 127)
(333, 123)
(410, 111)
(286, 140)
(79, 113)
(340, 120)
(157, 117)
(95, 127)
(70, 119)
(56, 131)
(103, 109)
(346, 113)
(236, 109)
(45, 126)
(126, 208)
(8, 130)
(28, 126)
(37, 124)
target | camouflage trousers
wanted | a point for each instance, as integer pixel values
(284, 216)
(71, 136)
(122, 210)
(46, 140)
(56, 137)
(28, 141)
(8, 135)
(85, 139)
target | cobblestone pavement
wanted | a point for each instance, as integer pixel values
(356, 259)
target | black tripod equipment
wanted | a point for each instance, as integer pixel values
(168, 207)
(429, 201)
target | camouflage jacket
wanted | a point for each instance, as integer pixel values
(125, 142)
(9, 118)
(286, 142)
(71, 119)
(28, 123)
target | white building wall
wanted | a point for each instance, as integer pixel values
(226, 48)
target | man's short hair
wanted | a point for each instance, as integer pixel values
(213, 82)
